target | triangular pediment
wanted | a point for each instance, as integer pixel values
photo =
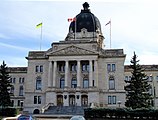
(72, 50)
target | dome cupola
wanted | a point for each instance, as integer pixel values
(85, 26)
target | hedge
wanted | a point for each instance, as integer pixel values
(122, 113)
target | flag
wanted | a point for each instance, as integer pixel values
(39, 25)
(108, 23)
(71, 19)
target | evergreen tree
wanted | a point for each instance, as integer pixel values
(137, 89)
(4, 86)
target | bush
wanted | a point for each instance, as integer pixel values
(9, 112)
(122, 113)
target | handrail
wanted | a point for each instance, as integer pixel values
(47, 106)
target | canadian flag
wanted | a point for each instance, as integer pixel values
(71, 19)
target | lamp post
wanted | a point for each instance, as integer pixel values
(21, 104)
(119, 103)
(153, 89)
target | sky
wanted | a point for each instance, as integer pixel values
(134, 27)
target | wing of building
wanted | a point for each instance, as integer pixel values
(76, 72)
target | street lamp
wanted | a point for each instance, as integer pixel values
(119, 103)
(21, 104)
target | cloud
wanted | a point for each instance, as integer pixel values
(13, 47)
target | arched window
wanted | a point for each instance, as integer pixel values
(21, 91)
(38, 83)
(73, 83)
(36, 111)
(111, 83)
(62, 83)
(85, 83)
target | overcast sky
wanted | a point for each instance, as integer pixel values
(134, 27)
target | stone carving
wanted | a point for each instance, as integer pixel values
(73, 50)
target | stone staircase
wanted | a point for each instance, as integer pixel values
(65, 110)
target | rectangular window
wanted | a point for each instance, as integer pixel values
(126, 78)
(61, 67)
(35, 99)
(85, 83)
(113, 68)
(39, 99)
(111, 84)
(21, 80)
(93, 83)
(39, 68)
(73, 67)
(14, 79)
(85, 67)
(111, 99)
(109, 67)
(18, 102)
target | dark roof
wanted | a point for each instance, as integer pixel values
(17, 69)
(145, 67)
(85, 19)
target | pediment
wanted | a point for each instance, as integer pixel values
(72, 50)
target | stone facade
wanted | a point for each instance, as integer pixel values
(75, 72)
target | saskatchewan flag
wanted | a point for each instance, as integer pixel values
(39, 25)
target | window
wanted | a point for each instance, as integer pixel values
(73, 83)
(85, 83)
(21, 91)
(12, 80)
(73, 67)
(38, 83)
(19, 102)
(111, 67)
(12, 103)
(111, 83)
(111, 99)
(93, 83)
(157, 78)
(61, 67)
(62, 83)
(12, 90)
(39, 68)
(21, 80)
(85, 66)
(37, 100)
(126, 78)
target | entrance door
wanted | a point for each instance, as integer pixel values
(71, 100)
(84, 100)
(59, 100)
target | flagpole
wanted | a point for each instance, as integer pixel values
(41, 38)
(75, 28)
(110, 33)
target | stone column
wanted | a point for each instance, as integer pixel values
(78, 73)
(90, 73)
(66, 73)
(54, 73)
(96, 73)
(50, 74)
